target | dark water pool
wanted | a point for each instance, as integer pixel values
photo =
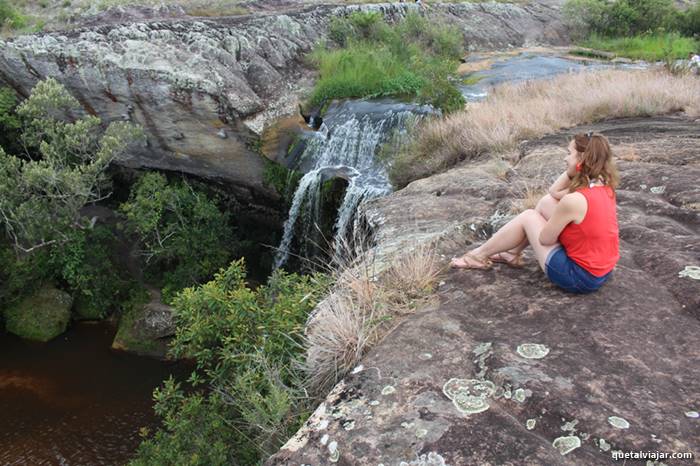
(73, 400)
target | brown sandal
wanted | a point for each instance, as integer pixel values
(470, 261)
(517, 261)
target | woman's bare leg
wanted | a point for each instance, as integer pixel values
(545, 206)
(525, 227)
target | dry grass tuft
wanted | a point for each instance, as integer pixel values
(528, 199)
(364, 306)
(529, 110)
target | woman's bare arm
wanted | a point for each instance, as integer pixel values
(560, 187)
(572, 208)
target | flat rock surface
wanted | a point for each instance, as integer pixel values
(618, 369)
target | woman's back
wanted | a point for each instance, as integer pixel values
(594, 243)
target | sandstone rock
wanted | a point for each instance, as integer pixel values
(145, 328)
(628, 351)
(186, 80)
(42, 316)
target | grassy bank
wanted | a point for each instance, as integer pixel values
(654, 47)
(531, 110)
(369, 58)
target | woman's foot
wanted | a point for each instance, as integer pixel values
(509, 258)
(470, 261)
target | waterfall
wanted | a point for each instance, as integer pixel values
(345, 146)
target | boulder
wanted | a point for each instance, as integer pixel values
(145, 327)
(42, 316)
(511, 370)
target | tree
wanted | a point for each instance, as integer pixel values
(181, 231)
(41, 196)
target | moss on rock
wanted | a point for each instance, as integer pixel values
(145, 326)
(41, 316)
(85, 309)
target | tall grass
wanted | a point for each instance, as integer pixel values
(368, 300)
(516, 112)
(367, 57)
(645, 47)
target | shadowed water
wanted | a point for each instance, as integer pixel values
(73, 400)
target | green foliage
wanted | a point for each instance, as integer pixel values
(646, 47)
(627, 17)
(689, 21)
(21, 274)
(413, 58)
(11, 17)
(9, 122)
(87, 267)
(41, 198)
(282, 179)
(182, 232)
(244, 342)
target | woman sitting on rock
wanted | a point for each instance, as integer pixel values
(573, 230)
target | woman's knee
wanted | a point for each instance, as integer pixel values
(545, 206)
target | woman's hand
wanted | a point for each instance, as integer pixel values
(560, 187)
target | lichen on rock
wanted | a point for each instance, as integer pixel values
(566, 444)
(532, 350)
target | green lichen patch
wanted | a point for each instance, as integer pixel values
(692, 414)
(388, 390)
(333, 453)
(530, 424)
(603, 445)
(470, 396)
(532, 350)
(566, 444)
(618, 422)
(690, 271)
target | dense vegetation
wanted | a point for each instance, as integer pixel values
(367, 57)
(54, 171)
(60, 168)
(646, 29)
(246, 397)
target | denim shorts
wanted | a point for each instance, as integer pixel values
(570, 276)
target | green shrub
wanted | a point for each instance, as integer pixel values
(245, 343)
(10, 16)
(622, 17)
(86, 265)
(413, 58)
(185, 238)
(689, 21)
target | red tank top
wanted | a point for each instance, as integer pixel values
(594, 243)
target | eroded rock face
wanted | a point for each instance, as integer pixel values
(204, 89)
(620, 367)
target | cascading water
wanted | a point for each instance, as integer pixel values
(345, 147)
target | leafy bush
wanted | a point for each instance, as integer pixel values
(622, 17)
(87, 266)
(67, 171)
(185, 238)
(11, 17)
(413, 58)
(689, 21)
(244, 342)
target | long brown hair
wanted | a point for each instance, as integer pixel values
(596, 161)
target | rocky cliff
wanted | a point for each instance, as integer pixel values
(205, 88)
(510, 370)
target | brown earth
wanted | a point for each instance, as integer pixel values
(630, 350)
